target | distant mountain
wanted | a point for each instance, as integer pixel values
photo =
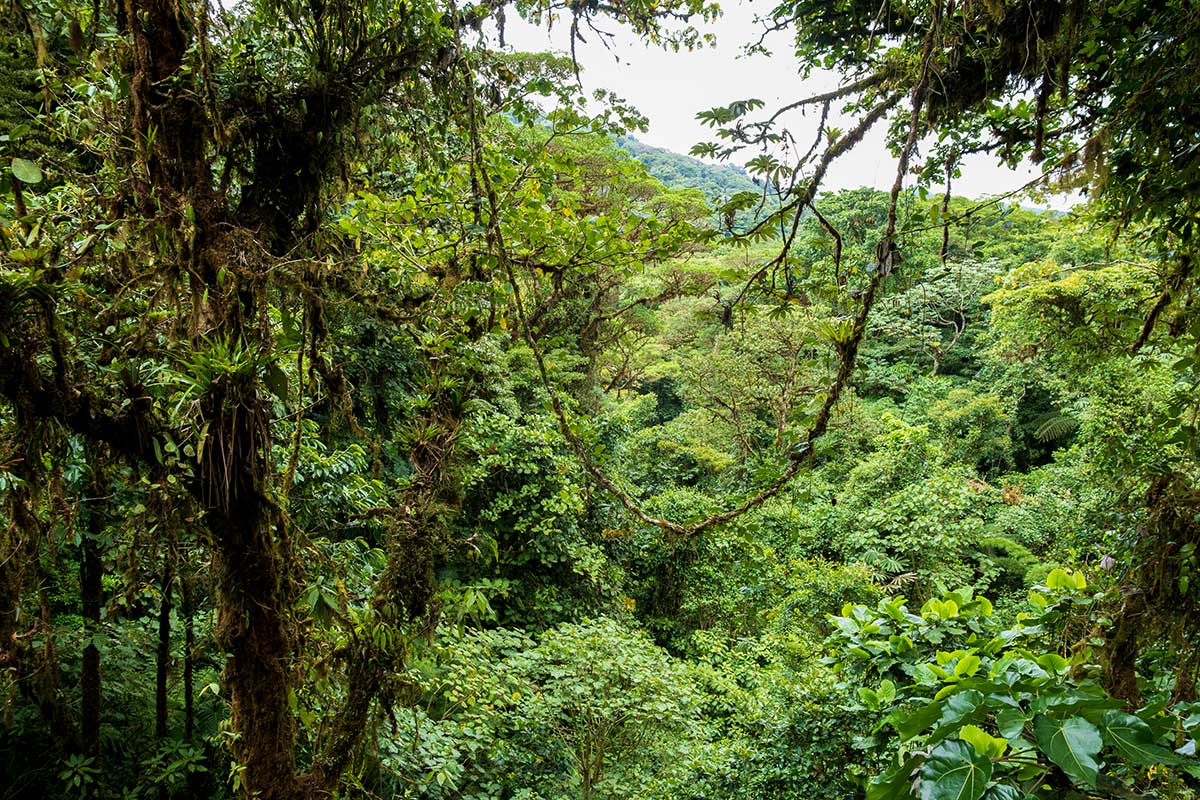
(678, 171)
(718, 182)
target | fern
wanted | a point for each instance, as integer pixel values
(1052, 427)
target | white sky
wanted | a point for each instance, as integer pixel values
(670, 88)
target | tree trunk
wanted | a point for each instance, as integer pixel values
(163, 660)
(1122, 652)
(253, 629)
(189, 657)
(90, 595)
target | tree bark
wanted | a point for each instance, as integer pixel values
(253, 629)
(189, 656)
(91, 597)
(163, 660)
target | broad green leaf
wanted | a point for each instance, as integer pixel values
(919, 719)
(895, 783)
(1054, 663)
(1059, 579)
(967, 666)
(924, 674)
(984, 605)
(1134, 739)
(26, 171)
(961, 708)
(1010, 722)
(1003, 791)
(1066, 580)
(984, 743)
(943, 609)
(1072, 744)
(277, 381)
(954, 771)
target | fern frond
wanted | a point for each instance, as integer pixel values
(1052, 427)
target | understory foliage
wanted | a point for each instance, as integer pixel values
(375, 423)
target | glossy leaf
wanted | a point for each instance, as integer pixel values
(1073, 744)
(954, 771)
(895, 783)
(983, 742)
(1134, 739)
(1003, 791)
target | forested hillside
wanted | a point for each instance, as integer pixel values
(374, 425)
(718, 182)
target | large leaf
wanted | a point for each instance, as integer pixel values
(909, 725)
(983, 742)
(1003, 791)
(1073, 744)
(895, 783)
(26, 171)
(277, 381)
(1010, 722)
(1134, 739)
(961, 708)
(954, 771)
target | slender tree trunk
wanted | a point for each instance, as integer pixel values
(189, 656)
(163, 661)
(1122, 652)
(48, 680)
(90, 591)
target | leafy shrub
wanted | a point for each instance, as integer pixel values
(975, 711)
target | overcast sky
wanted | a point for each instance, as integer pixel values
(670, 88)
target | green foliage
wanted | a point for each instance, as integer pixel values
(588, 710)
(975, 429)
(346, 361)
(982, 710)
(719, 183)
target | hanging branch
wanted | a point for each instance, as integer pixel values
(837, 243)
(797, 205)
(803, 453)
(858, 87)
(946, 212)
(838, 148)
(820, 133)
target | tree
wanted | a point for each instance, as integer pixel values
(607, 695)
(1095, 92)
(297, 301)
(178, 290)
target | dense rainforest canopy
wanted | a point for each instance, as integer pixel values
(374, 423)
